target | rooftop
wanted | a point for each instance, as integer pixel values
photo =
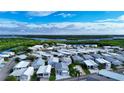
(90, 63)
(22, 64)
(112, 75)
(44, 69)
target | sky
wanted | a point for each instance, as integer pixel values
(62, 22)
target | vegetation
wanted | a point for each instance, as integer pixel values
(101, 66)
(17, 59)
(14, 43)
(73, 72)
(84, 67)
(86, 70)
(6, 59)
(31, 58)
(52, 75)
(113, 67)
(34, 77)
(11, 78)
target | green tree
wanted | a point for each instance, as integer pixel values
(31, 58)
(52, 75)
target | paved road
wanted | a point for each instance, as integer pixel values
(81, 78)
(4, 72)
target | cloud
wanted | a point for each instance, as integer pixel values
(65, 15)
(65, 28)
(40, 13)
(118, 19)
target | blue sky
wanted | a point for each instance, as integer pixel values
(62, 22)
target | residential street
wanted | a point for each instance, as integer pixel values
(5, 71)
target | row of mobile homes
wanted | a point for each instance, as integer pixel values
(53, 60)
(87, 57)
(105, 63)
(44, 55)
(64, 52)
(66, 60)
(36, 48)
(96, 56)
(106, 47)
(44, 71)
(113, 61)
(77, 58)
(117, 56)
(37, 63)
(62, 69)
(91, 64)
(112, 75)
(56, 54)
(61, 45)
(23, 74)
(21, 65)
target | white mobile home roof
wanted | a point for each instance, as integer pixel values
(22, 64)
(18, 72)
(112, 75)
(29, 71)
(90, 63)
(117, 56)
(44, 69)
(87, 57)
(54, 59)
(101, 60)
(105, 54)
(96, 55)
(113, 61)
(38, 62)
(66, 59)
(22, 56)
(76, 57)
(43, 53)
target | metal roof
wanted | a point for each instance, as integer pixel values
(22, 64)
(18, 72)
(29, 71)
(90, 63)
(44, 69)
(102, 61)
(111, 75)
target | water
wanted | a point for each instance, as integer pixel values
(94, 39)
